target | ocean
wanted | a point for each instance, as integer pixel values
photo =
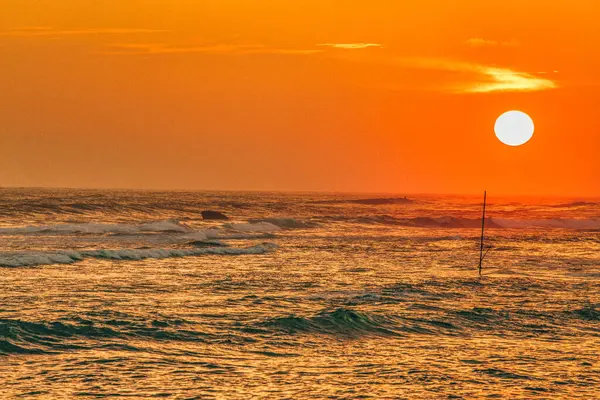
(296, 296)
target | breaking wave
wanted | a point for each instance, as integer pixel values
(29, 259)
(227, 231)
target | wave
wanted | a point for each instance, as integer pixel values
(575, 204)
(344, 322)
(207, 243)
(227, 231)
(450, 222)
(588, 313)
(43, 337)
(571, 223)
(170, 225)
(253, 227)
(286, 223)
(45, 207)
(109, 329)
(377, 201)
(19, 202)
(460, 222)
(418, 222)
(29, 259)
(341, 321)
(23, 337)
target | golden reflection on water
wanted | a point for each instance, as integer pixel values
(342, 310)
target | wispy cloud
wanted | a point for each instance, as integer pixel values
(44, 31)
(161, 48)
(478, 78)
(480, 42)
(350, 46)
(503, 79)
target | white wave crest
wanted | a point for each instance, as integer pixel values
(28, 259)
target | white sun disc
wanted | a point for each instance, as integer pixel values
(514, 128)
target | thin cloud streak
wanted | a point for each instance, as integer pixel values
(161, 48)
(487, 78)
(350, 46)
(480, 42)
(507, 80)
(42, 31)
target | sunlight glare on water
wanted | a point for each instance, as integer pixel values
(297, 296)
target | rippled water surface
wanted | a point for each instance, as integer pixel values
(119, 293)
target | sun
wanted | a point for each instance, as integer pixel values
(514, 128)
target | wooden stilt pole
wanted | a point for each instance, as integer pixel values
(481, 255)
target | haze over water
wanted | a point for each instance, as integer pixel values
(125, 293)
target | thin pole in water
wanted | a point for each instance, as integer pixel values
(481, 256)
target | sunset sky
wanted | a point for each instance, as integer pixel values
(361, 96)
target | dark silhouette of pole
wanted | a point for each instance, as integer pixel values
(481, 255)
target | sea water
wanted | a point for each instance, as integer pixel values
(297, 295)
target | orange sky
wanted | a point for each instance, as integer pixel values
(384, 96)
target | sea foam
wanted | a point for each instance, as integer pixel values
(28, 259)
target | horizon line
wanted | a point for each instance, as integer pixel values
(291, 191)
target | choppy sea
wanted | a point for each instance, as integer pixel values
(296, 296)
